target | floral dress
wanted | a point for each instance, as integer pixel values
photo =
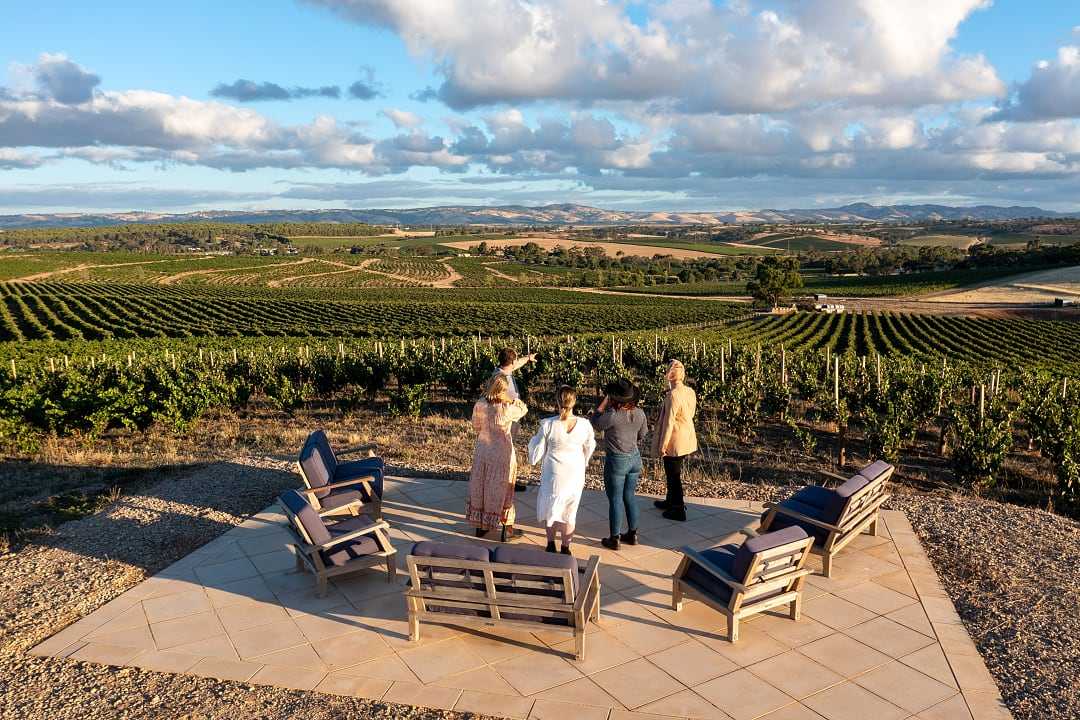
(491, 481)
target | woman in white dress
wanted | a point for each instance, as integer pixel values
(563, 444)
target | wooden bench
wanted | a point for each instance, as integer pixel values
(834, 517)
(738, 581)
(339, 548)
(508, 587)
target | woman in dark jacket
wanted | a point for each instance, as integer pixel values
(624, 426)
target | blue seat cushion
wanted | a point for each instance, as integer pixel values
(340, 498)
(356, 469)
(781, 521)
(814, 495)
(722, 557)
(341, 554)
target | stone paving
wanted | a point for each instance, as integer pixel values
(879, 640)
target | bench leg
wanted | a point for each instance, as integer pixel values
(579, 644)
(733, 628)
(414, 622)
(596, 608)
(796, 607)
(676, 596)
(826, 564)
(299, 562)
(391, 569)
(872, 529)
(320, 589)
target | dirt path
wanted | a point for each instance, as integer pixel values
(499, 273)
(83, 266)
(446, 282)
(173, 279)
(348, 269)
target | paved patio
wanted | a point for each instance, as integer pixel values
(880, 640)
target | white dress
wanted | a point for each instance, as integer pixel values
(565, 455)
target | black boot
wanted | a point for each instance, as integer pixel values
(662, 504)
(611, 543)
(676, 513)
(566, 550)
(629, 537)
(550, 546)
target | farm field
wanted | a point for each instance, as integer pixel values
(696, 250)
(1037, 287)
(961, 242)
(71, 311)
(862, 286)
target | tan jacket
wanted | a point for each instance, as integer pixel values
(675, 435)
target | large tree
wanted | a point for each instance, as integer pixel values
(776, 277)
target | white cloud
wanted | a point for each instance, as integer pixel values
(1052, 90)
(402, 119)
(755, 57)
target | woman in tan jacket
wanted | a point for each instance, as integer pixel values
(675, 438)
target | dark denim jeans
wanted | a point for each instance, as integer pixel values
(621, 474)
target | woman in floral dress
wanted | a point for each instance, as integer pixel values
(491, 482)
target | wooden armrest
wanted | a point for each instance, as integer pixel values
(718, 573)
(362, 480)
(833, 476)
(806, 518)
(355, 534)
(358, 448)
(588, 582)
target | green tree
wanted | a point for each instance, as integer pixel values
(776, 277)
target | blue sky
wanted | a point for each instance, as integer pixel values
(677, 104)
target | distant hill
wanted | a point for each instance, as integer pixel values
(563, 214)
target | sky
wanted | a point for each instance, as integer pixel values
(624, 104)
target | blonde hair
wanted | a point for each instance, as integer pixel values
(566, 398)
(497, 390)
(676, 372)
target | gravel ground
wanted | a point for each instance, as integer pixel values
(1021, 607)
(83, 564)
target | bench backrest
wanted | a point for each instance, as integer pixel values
(771, 557)
(867, 499)
(487, 582)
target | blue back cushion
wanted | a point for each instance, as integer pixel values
(841, 496)
(454, 551)
(767, 541)
(315, 470)
(537, 558)
(301, 509)
(875, 470)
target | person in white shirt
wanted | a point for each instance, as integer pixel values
(562, 447)
(509, 362)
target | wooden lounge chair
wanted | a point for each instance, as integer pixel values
(340, 488)
(740, 580)
(337, 549)
(508, 587)
(833, 517)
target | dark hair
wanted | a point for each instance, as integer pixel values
(628, 405)
(507, 356)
